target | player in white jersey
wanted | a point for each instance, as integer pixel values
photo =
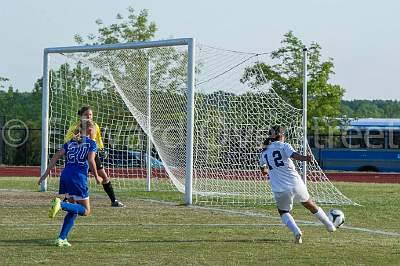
(286, 183)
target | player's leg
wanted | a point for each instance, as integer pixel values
(56, 202)
(79, 206)
(68, 223)
(302, 195)
(319, 214)
(284, 203)
(107, 186)
(76, 206)
(86, 204)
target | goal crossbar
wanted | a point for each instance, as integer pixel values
(189, 42)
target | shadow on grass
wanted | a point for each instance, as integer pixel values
(122, 241)
(48, 242)
(27, 242)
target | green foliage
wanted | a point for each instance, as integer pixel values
(371, 109)
(25, 106)
(2, 80)
(286, 78)
(135, 27)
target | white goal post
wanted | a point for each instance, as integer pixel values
(189, 42)
(176, 115)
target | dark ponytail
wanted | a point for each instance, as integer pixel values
(274, 134)
(276, 131)
(268, 141)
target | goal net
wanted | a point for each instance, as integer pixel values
(140, 97)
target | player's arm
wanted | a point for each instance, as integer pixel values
(299, 157)
(292, 153)
(263, 165)
(52, 163)
(92, 166)
(71, 132)
(98, 139)
(264, 170)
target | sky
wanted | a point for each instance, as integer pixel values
(362, 36)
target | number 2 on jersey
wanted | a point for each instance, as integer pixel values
(77, 154)
(277, 159)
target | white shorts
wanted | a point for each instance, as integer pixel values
(76, 197)
(284, 200)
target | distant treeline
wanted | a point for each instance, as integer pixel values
(20, 122)
(26, 106)
(371, 109)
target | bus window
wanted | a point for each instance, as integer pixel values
(394, 139)
(374, 139)
(354, 139)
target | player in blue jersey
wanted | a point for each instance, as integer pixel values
(79, 155)
(86, 112)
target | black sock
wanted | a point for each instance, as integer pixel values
(110, 191)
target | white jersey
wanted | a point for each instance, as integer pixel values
(282, 172)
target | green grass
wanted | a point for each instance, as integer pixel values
(156, 229)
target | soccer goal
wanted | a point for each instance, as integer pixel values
(171, 120)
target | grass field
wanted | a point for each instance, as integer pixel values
(156, 229)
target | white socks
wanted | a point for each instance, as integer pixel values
(321, 215)
(290, 223)
(288, 220)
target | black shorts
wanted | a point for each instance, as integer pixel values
(99, 164)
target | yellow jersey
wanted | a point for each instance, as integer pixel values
(72, 129)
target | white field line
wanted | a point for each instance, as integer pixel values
(302, 222)
(14, 190)
(9, 225)
(234, 212)
(30, 225)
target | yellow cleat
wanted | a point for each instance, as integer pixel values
(55, 207)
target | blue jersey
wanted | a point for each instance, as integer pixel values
(77, 154)
(73, 180)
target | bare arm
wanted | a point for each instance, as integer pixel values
(52, 163)
(264, 170)
(92, 166)
(297, 156)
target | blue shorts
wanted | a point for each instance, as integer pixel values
(74, 184)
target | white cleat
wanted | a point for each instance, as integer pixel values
(331, 228)
(297, 239)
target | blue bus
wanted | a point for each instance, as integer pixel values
(363, 145)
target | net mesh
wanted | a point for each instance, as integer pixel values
(232, 117)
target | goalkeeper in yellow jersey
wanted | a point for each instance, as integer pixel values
(86, 112)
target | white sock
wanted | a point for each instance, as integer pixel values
(321, 215)
(288, 220)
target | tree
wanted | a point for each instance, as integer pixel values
(2, 80)
(286, 78)
(133, 28)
